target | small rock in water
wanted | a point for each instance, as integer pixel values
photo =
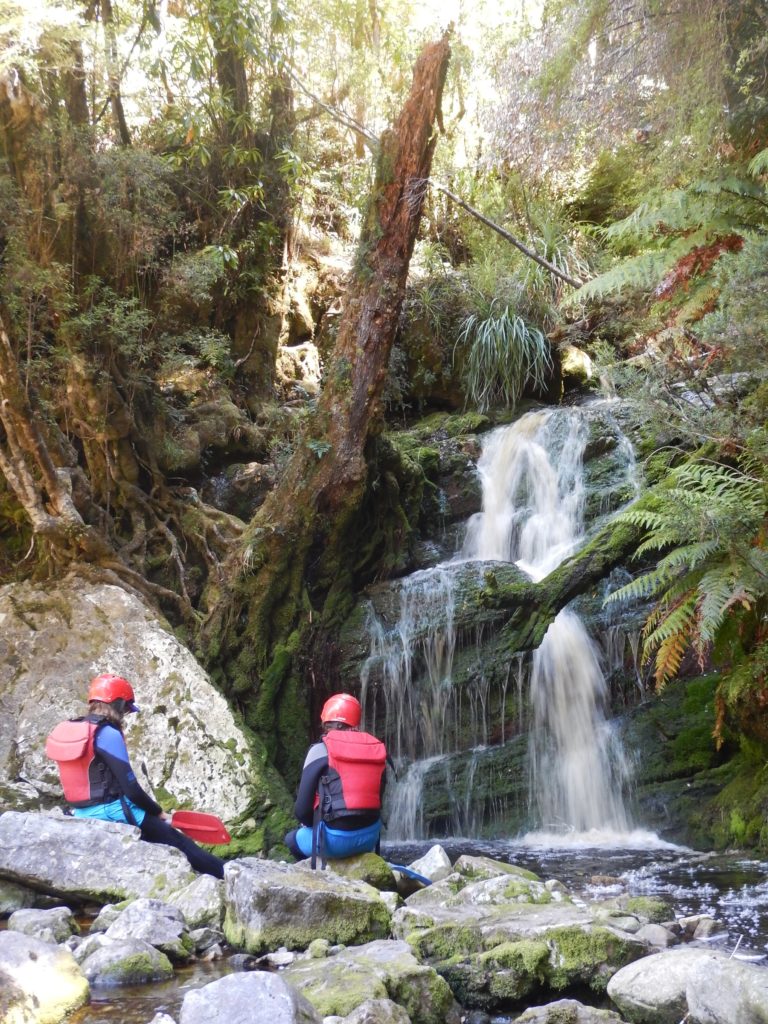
(243, 962)
(214, 952)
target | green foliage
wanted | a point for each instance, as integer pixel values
(505, 353)
(708, 519)
(112, 325)
(672, 227)
(759, 163)
(318, 447)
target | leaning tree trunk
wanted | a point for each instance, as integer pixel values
(296, 549)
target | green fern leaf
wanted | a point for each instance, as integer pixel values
(759, 163)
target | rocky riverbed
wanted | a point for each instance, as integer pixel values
(91, 908)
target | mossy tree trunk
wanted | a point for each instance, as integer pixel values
(533, 606)
(298, 548)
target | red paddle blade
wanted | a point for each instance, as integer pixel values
(203, 828)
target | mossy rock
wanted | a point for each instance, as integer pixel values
(648, 907)
(445, 941)
(366, 867)
(516, 968)
(587, 956)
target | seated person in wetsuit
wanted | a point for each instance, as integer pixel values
(341, 787)
(102, 784)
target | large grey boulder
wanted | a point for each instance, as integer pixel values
(54, 639)
(702, 986)
(258, 998)
(722, 990)
(87, 860)
(270, 904)
(39, 983)
(384, 969)
(157, 923)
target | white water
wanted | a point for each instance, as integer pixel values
(533, 504)
(532, 514)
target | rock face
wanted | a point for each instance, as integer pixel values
(39, 983)
(53, 640)
(275, 904)
(96, 861)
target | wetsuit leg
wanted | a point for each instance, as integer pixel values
(299, 842)
(155, 830)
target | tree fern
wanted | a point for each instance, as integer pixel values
(676, 231)
(709, 519)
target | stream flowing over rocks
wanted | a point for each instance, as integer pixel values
(99, 911)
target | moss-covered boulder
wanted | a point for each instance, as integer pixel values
(366, 867)
(270, 904)
(498, 934)
(377, 970)
(127, 962)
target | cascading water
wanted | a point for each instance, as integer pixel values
(532, 514)
(533, 502)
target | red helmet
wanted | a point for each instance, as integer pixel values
(342, 707)
(108, 688)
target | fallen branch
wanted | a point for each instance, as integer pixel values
(550, 267)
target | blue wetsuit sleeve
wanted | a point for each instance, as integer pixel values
(111, 747)
(315, 765)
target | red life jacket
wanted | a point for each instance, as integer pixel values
(352, 785)
(71, 745)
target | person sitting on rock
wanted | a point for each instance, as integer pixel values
(97, 777)
(341, 787)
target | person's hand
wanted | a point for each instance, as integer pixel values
(166, 815)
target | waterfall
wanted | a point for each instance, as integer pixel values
(533, 501)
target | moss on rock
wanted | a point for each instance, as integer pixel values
(586, 955)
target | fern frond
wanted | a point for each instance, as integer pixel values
(688, 557)
(720, 593)
(759, 163)
(730, 186)
(668, 658)
(662, 538)
(642, 586)
(680, 617)
(641, 271)
(641, 515)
